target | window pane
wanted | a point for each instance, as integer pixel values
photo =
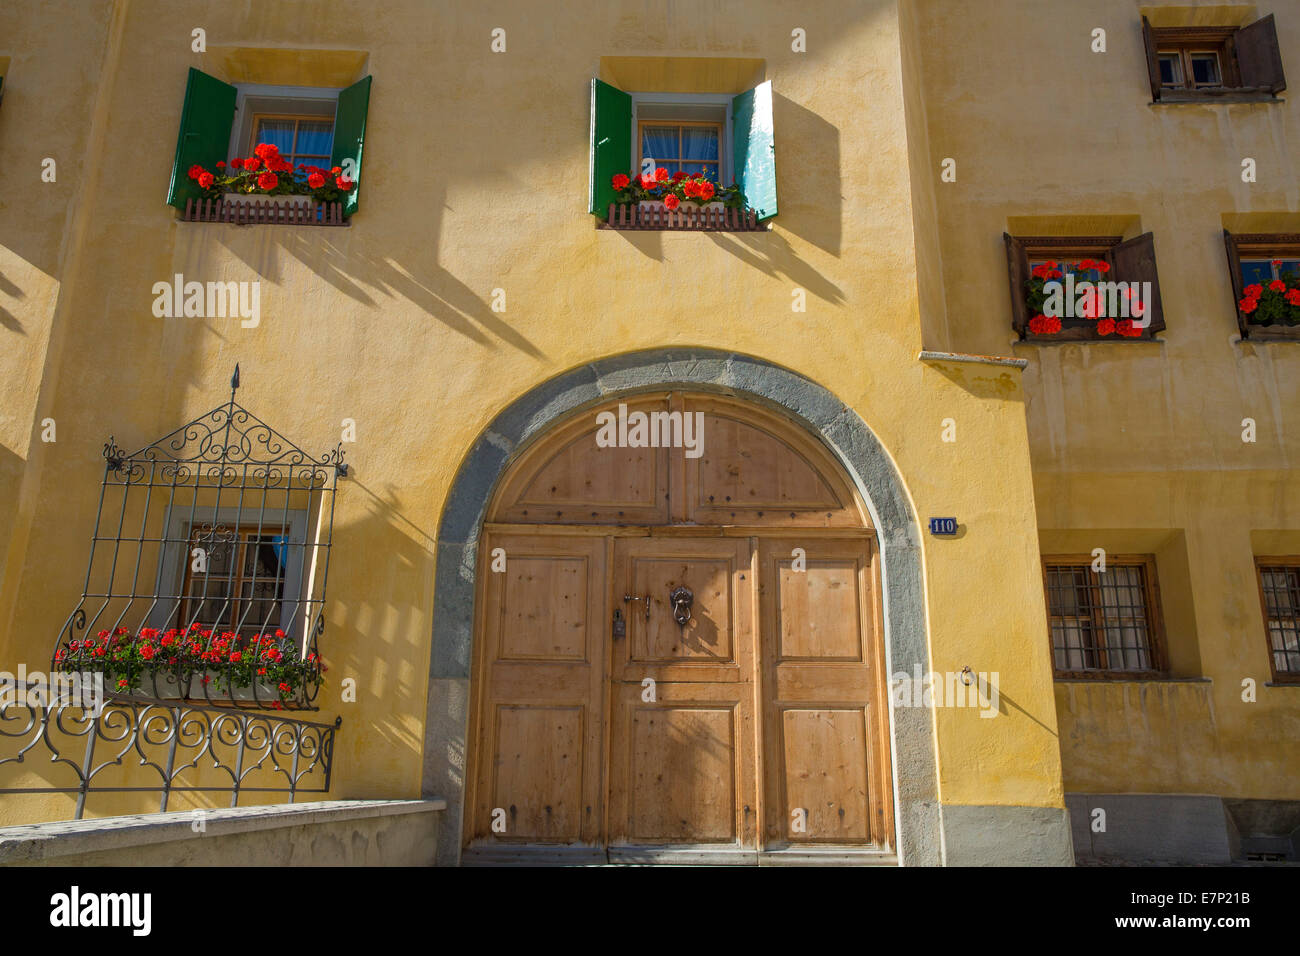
(708, 169)
(277, 132)
(1289, 269)
(315, 138)
(699, 142)
(1171, 70)
(1205, 69)
(1256, 270)
(659, 143)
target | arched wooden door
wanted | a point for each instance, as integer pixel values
(678, 653)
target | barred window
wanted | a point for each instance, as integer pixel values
(1103, 623)
(1279, 585)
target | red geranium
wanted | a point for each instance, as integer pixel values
(268, 181)
(620, 181)
(1125, 328)
(1254, 290)
(315, 180)
(195, 170)
(252, 163)
(266, 150)
(344, 183)
(206, 180)
(1044, 325)
(671, 202)
(1105, 326)
(1248, 305)
(661, 175)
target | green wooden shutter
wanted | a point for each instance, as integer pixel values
(350, 134)
(754, 148)
(204, 137)
(611, 143)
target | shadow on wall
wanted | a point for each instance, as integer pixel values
(809, 202)
(379, 608)
(361, 252)
(7, 319)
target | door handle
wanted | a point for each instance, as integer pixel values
(640, 597)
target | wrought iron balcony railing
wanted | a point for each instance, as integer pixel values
(138, 745)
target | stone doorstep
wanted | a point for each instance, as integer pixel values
(30, 843)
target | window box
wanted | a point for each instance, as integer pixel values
(719, 137)
(1104, 624)
(244, 210)
(1124, 294)
(1257, 262)
(655, 216)
(209, 132)
(1207, 64)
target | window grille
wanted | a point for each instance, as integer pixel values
(208, 566)
(1103, 623)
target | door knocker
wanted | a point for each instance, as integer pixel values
(682, 599)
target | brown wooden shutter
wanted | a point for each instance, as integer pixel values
(1018, 275)
(1153, 63)
(1258, 57)
(1238, 289)
(1135, 261)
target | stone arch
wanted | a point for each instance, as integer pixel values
(838, 427)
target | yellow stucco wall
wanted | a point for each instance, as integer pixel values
(475, 179)
(1137, 447)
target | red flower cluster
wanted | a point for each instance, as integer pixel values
(1044, 325)
(272, 172)
(698, 189)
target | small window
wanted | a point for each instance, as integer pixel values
(1204, 62)
(728, 139)
(1103, 623)
(1279, 586)
(1264, 269)
(1120, 303)
(242, 584)
(311, 126)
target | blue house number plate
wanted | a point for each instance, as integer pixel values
(943, 526)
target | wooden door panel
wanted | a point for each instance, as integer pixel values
(683, 764)
(572, 479)
(716, 644)
(537, 779)
(682, 769)
(824, 757)
(539, 751)
(707, 636)
(544, 611)
(754, 469)
(825, 710)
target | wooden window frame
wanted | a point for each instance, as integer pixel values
(640, 138)
(237, 580)
(1273, 561)
(1250, 61)
(1259, 245)
(1021, 250)
(1156, 638)
(295, 157)
(1183, 42)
